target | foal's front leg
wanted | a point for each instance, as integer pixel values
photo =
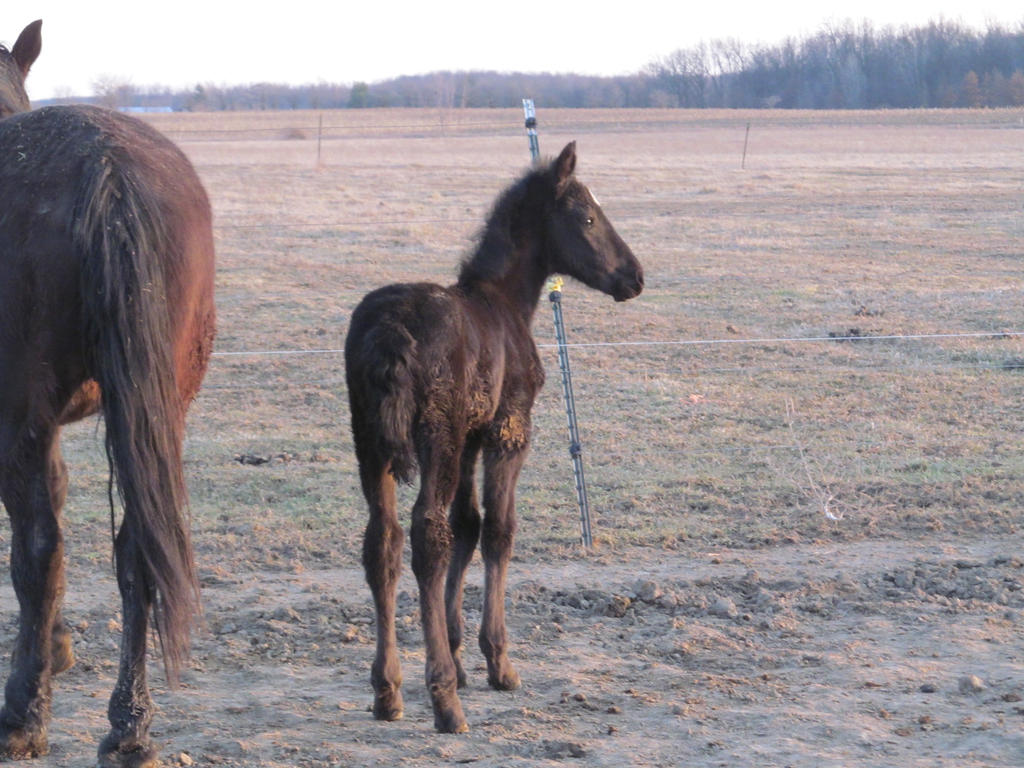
(501, 471)
(431, 538)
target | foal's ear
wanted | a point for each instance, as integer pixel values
(565, 164)
(30, 43)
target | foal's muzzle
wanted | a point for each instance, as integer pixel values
(628, 284)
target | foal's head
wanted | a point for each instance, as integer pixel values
(583, 243)
(14, 66)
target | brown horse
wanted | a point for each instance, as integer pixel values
(106, 304)
(438, 375)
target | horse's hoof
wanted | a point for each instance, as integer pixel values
(388, 706)
(114, 754)
(19, 744)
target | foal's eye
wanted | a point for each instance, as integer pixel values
(590, 221)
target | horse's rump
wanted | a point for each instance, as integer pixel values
(115, 233)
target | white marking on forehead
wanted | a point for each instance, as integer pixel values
(592, 196)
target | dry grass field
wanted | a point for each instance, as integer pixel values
(804, 445)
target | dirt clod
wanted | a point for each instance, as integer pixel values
(970, 684)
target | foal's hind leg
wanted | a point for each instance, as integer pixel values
(130, 710)
(501, 470)
(37, 574)
(382, 561)
(465, 522)
(431, 552)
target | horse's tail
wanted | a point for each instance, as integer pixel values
(128, 346)
(379, 362)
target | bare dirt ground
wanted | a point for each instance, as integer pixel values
(874, 653)
(724, 619)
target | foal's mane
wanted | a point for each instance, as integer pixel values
(504, 228)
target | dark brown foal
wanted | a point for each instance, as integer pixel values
(438, 376)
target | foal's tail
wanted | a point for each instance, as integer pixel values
(379, 360)
(128, 337)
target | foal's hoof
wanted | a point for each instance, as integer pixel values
(19, 744)
(451, 721)
(448, 717)
(114, 754)
(388, 705)
(461, 680)
(62, 657)
(504, 678)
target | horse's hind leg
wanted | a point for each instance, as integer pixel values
(131, 710)
(501, 470)
(465, 522)
(382, 561)
(62, 656)
(31, 494)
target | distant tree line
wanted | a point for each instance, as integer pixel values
(943, 64)
(847, 66)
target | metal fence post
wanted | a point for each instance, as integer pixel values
(555, 295)
(531, 128)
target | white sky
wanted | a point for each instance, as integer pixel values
(184, 42)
